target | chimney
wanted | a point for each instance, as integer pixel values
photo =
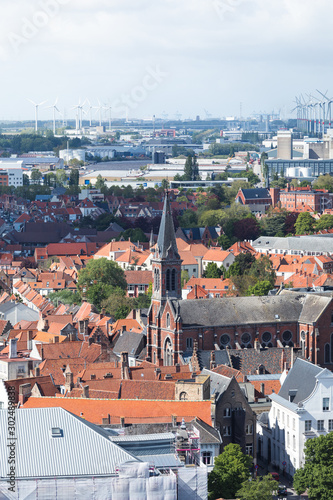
(122, 421)
(212, 360)
(125, 375)
(24, 393)
(29, 339)
(262, 388)
(85, 393)
(37, 371)
(92, 376)
(69, 383)
(12, 348)
(256, 344)
(177, 368)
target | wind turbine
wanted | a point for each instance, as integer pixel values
(79, 108)
(90, 113)
(99, 110)
(54, 107)
(108, 107)
(36, 111)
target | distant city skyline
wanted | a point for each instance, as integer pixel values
(195, 57)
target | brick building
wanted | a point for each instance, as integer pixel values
(301, 199)
(289, 319)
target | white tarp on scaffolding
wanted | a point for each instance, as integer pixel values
(192, 483)
(137, 486)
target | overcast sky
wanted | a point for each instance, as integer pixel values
(163, 56)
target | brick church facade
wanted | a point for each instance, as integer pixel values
(294, 319)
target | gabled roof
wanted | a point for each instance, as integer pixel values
(133, 411)
(82, 449)
(300, 381)
(256, 193)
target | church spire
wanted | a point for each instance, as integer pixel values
(166, 240)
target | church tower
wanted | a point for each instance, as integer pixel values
(166, 265)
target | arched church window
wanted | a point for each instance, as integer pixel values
(173, 279)
(168, 280)
(327, 358)
(168, 361)
(157, 280)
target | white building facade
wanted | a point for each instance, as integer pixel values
(302, 410)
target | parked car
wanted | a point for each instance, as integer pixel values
(275, 476)
(282, 491)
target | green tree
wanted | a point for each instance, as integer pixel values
(324, 182)
(134, 235)
(184, 277)
(262, 270)
(61, 177)
(195, 169)
(304, 223)
(65, 297)
(188, 171)
(74, 177)
(245, 261)
(188, 219)
(100, 279)
(260, 288)
(224, 241)
(273, 224)
(212, 271)
(231, 469)
(259, 489)
(325, 222)
(100, 182)
(117, 305)
(36, 176)
(316, 476)
(165, 184)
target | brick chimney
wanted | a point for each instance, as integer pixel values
(29, 339)
(125, 375)
(37, 371)
(85, 393)
(262, 388)
(24, 393)
(256, 344)
(12, 348)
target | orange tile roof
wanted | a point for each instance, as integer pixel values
(216, 255)
(270, 386)
(133, 411)
(188, 259)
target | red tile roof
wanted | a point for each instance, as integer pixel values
(133, 411)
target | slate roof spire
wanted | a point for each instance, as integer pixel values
(166, 240)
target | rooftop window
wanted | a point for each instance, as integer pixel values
(56, 432)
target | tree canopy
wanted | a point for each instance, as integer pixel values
(231, 469)
(100, 279)
(316, 476)
(304, 223)
(261, 488)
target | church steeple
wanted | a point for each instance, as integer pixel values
(166, 241)
(166, 262)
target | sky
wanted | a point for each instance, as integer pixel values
(169, 58)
